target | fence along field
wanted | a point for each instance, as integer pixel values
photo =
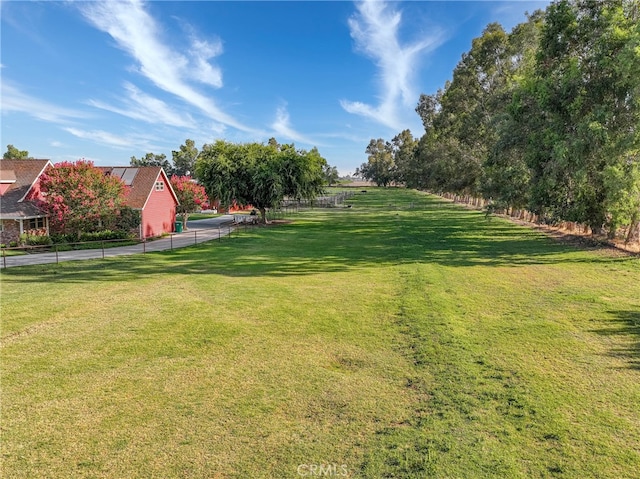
(398, 341)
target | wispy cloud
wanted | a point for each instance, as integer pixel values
(141, 106)
(282, 127)
(126, 142)
(201, 52)
(375, 31)
(14, 100)
(135, 31)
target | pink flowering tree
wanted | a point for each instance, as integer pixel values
(80, 198)
(191, 195)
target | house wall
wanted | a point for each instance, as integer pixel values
(10, 231)
(159, 214)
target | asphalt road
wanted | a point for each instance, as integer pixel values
(198, 232)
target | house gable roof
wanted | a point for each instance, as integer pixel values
(22, 176)
(142, 183)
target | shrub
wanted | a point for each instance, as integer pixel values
(59, 238)
(104, 235)
(128, 220)
(35, 240)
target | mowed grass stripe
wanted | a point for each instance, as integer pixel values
(404, 337)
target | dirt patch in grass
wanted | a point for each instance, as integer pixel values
(583, 241)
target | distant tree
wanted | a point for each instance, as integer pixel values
(380, 167)
(259, 175)
(273, 143)
(331, 175)
(80, 198)
(429, 107)
(191, 195)
(404, 148)
(151, 159)
(13, 153)
(184, 160)
(302, 172)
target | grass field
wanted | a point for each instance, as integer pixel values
(404, 337)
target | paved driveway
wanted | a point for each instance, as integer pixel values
(198, 232)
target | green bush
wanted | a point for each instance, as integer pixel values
(129, 219)
(60, 238)
(37, 240)
(104, 235)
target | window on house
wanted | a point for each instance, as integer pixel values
(159, 185)
(36, 224)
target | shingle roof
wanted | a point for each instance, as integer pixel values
(142, 184)
(13, 203)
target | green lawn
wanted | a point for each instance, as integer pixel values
(404, 337)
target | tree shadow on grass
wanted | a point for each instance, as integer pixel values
(337, 241)
(626, 324)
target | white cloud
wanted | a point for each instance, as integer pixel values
(141, 106)
(282, 127)
(201, 52)
(109, 139)
(14, 100)
(136, 32)
(375, 31)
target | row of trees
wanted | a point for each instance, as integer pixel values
(184, 161)
(254, 174)
(544, 118)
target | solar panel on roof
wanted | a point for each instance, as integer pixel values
(129, 175)
(118, 172)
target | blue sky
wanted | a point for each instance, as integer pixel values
(109, 80)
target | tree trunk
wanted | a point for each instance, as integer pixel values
(185, 217)
(632, 228)
(263, 214)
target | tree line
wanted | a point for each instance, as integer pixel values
(543, 118)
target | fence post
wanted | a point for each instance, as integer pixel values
(102, 244)
(171, 236)
(4, 258)
(144, 245)
(195, 236)
(219, 233)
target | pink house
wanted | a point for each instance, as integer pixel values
(19, 190)
(150, 192)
